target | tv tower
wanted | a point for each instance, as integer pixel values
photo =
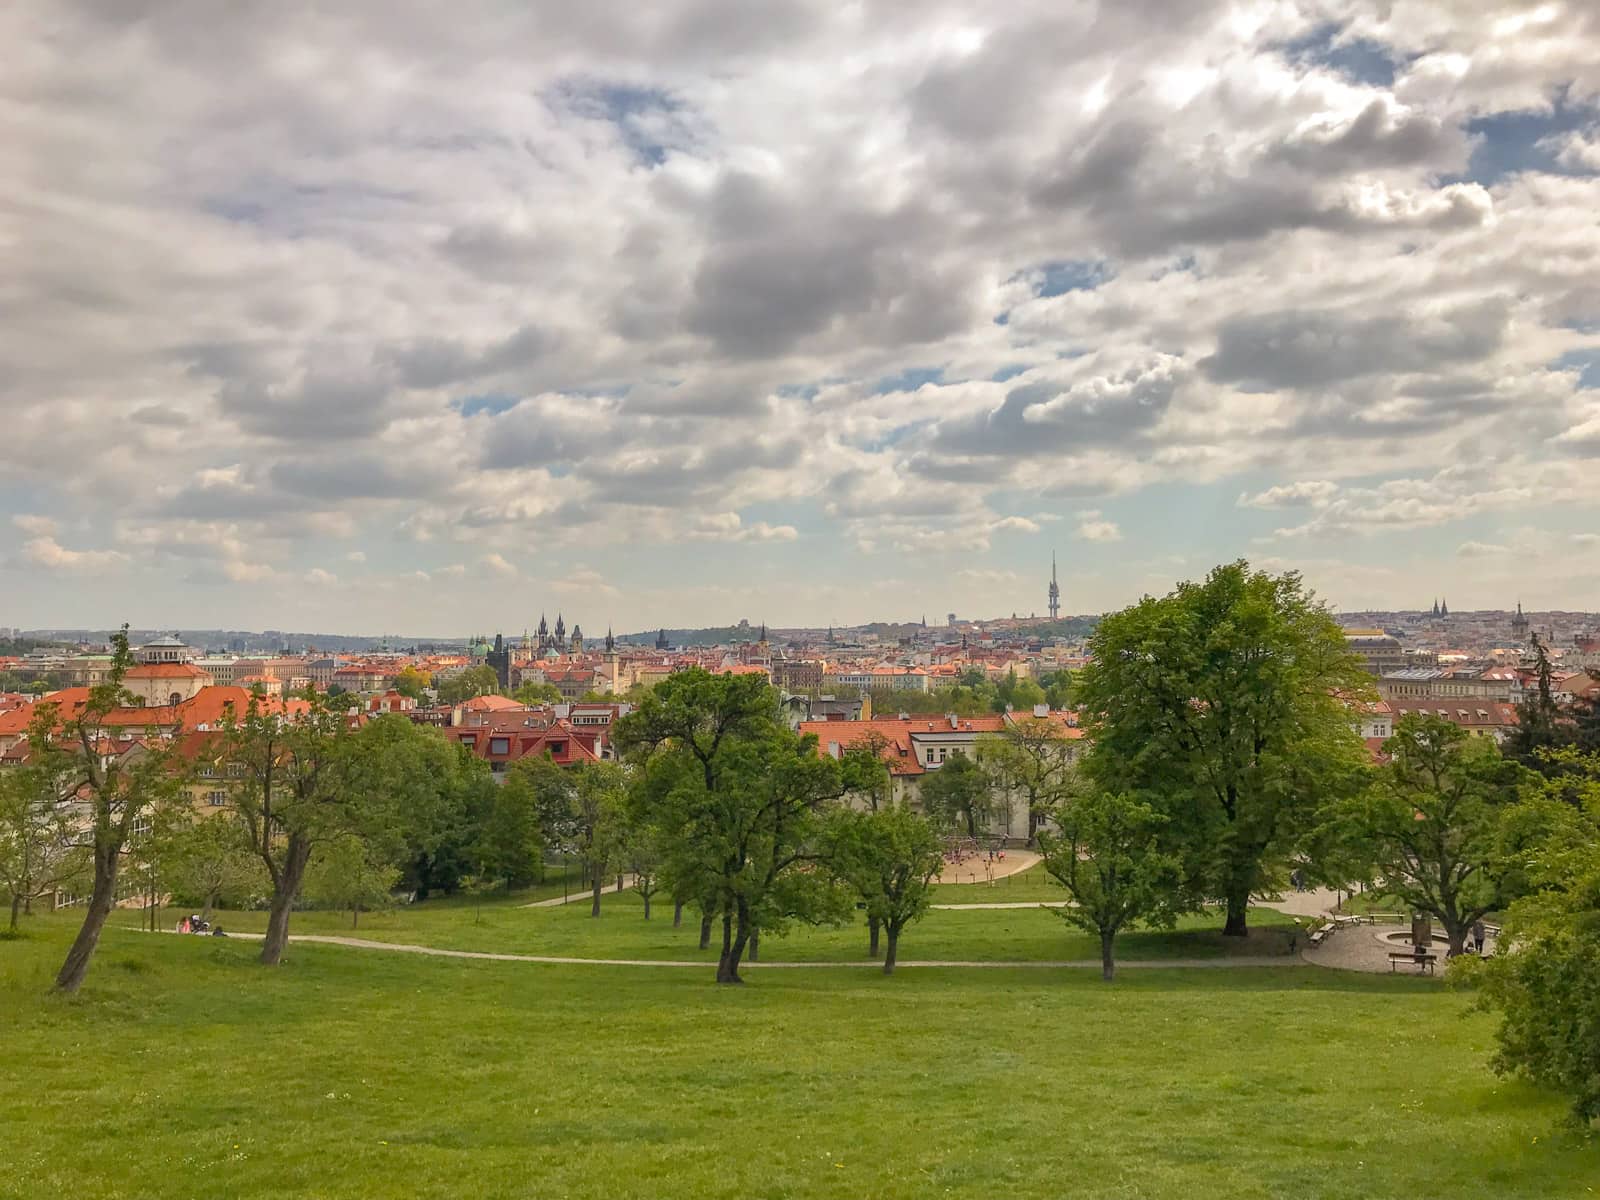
(1055, 590)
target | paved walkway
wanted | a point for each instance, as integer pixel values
(583, 895)
(559, 960)
(1004, 904)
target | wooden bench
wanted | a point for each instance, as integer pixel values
(1423, 961)
(1320, 934)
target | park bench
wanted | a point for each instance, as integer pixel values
(1424, 962)
(1320, 934)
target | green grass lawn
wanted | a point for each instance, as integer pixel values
(1030, 935)
(184, 1070)
(1032, 884)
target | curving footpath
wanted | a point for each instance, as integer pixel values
(1243, 960)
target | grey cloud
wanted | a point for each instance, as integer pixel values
(1308, 349)
(1377, 137)
(1049, 418)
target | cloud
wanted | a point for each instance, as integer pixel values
(1094, 528)
(356, 556)
(1306, 493)
(44, 527)
(51, 555)
(1481, 550)
(497, 564)
(583, 580)
(317, 577)
(711, 289)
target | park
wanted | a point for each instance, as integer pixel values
(185, 1068)
(1168, 989)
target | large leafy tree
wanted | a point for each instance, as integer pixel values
(465, 685)
(116, 788)
(209, 860)
(738, 797)
(888, 858)
(1225, 706)
(40, 848)
(1431, 825)
(1545, 978)
(511, 840)
(583, 810)
(318, 776)
(1031, 756)
(351, 875)
(959, 796)
(1105, 850)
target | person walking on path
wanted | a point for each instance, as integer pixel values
(1480, 937)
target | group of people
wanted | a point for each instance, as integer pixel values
(193, 924)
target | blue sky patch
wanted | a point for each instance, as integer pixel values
(490, 402)
(1509, 143)
(1072, 275)
(908, 380)
(1359, 60)
(1585, 362)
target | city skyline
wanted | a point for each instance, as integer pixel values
(408, 319)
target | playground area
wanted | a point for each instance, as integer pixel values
(972, 860)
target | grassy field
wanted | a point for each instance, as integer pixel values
(502, 924)
(184, 1070)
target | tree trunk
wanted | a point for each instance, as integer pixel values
(893, 950)
(101, 900)
(619, 883)
(211, 901)
(1108, 964)
(594, 908)
(1238, 906)
(873, 925)
(288, 887)
(16, 908)
(705, 931)
(677, 913)
(355, 915)
(754, 954)
(1455, 935)
(645, 896)
(732, 947)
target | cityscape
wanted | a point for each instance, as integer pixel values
(800, 600)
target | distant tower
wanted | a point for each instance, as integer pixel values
(1055, 590)
(577, 638)
(561, 630)
(500, 659)
(661, 641)
(1519, 624)
(544, 635)
(1436, 606)
(611, 642)
(1444, 608)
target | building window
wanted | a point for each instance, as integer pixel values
(216, 799)
(499, 745)
(557, 749)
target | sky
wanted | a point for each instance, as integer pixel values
(420, 318)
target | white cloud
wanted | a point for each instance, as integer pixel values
(1481, 550)
(356, 556)
(1091, 251)
(583, 580)
(318, 577)
(499, 565)
(1094, 528)
(43, 527)
(50, 554)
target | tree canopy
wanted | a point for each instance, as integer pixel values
(1225, 705)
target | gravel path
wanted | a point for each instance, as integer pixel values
(558, 960)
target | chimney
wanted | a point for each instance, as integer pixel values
(1041, 710)
(955, 721)
(833, 749)
(903, 716)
